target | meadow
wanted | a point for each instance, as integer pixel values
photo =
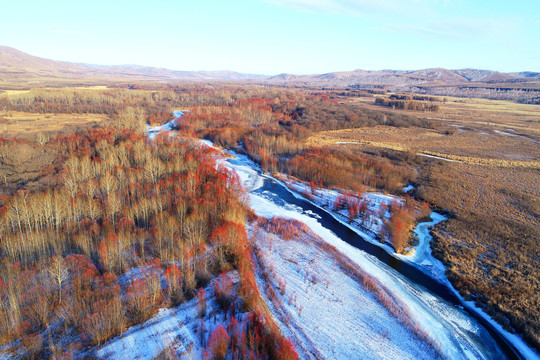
(25, 124)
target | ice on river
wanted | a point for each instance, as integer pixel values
(458, 335)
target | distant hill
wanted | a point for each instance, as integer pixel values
(17, 67)
(15, 64)
(396, 79)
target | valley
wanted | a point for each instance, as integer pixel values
(234, 220)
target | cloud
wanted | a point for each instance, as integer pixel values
(448, 19)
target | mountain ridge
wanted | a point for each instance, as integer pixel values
(16, 65)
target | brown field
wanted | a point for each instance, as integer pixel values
(491, 191)
(35, 82)
(491, 245)
(24, 125)
(473, 131)
(523, 119)
(89, 87)
(482, 147)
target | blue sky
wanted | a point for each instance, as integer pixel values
(277, 36)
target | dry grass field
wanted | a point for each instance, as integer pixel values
(472, 146)
(519, 119)
(491, 244)
(28, 163)
(89, 87)
(501, 115)
(34, 82)
(24, 125)
(491, 191)
(473, 131)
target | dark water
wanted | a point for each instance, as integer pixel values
(491, 340)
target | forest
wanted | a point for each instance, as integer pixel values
(117, 202)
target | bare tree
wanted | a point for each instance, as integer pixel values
(132, 118)
(58, 272)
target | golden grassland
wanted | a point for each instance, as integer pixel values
(480, 147)
(27, 124)
(22, 91)
(14, 92)
(24, 124)
(34, 82)
(477, 113)
(473, 131)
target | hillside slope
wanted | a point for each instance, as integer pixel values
(17, 66)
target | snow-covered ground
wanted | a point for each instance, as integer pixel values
(500, 132)
(177, 329)
(326, 312)
(327, 198)
(459, 335)
(419, 255)
(170, 327)
(437, 157)
(408, 188)
(154, 130)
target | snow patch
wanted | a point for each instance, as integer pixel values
(438, 157)
(176, 328)
(328, 313)
(408, 188)
(154, 130)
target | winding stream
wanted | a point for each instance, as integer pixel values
(459, 329)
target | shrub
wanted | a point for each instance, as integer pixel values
(201, 303)
(399, 227)
(174, 278)
(32, 345)
(139, 302)
(287, 229)
(223, 288)
(282, 286)
(107, 321)
(218, 343)
(286, 350)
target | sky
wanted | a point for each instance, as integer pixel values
(279, 36)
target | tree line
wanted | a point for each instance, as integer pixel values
(407, 104)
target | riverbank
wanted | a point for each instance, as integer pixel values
(370, 225)
(461, 335)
